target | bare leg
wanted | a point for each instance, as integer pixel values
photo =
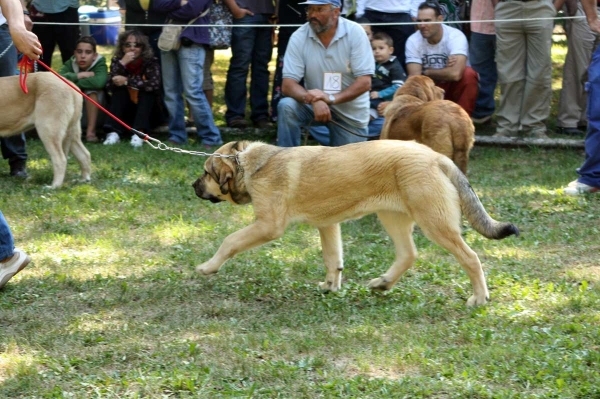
(331, 242)
(209, 96)
(92, 118)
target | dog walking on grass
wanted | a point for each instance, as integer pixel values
(54, 109)
(403, 182)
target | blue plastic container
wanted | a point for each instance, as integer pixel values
(104, 25)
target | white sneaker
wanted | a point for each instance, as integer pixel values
(17, 263)
(111, 138)
(578, 188)
(136, 141)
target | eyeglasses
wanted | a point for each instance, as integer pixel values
(132, 44)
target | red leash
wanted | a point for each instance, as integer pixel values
(25, 63)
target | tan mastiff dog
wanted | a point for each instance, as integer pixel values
(54, 109)
(403, 182)
(419, 112)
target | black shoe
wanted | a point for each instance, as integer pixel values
(571, 131)
(18, 169)
(238, 122)
(263, 124)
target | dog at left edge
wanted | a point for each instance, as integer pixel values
(54, 109)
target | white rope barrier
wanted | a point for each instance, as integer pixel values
(297, 25)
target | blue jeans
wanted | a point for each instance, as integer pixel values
(250, 48)
(7, 244)
(375, 127)
(182, 73)
(293, 115)
(589, 172)
(482, 56)
(13, 148)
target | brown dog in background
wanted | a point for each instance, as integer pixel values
(54, 109)
(419, 112)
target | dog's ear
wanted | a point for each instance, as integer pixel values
(225, 174)
(423, 94)
(240, 146)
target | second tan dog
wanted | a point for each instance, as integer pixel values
(418, 112)
(403, 182)
(54, 109)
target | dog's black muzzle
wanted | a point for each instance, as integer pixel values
(201, 192)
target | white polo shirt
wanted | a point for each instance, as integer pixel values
(348, 56)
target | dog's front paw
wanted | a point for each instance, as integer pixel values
(380, 283)
(477, 301)
(206, 269)
(329, 286)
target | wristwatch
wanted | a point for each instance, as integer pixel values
(331, 99)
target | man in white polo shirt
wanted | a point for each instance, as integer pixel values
(333, 56)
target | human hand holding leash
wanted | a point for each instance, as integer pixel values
(24, 40)
(321, 111)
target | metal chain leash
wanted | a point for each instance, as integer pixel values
(159, 145)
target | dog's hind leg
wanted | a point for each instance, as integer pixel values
(258, 233)
(53, 144)
(400, 227)
(331, 242)
(446, 235)
(80, 152)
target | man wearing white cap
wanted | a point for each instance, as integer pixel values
(333, 56)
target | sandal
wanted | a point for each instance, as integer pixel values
(92, 139)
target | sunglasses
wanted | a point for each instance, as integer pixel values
(132, 44)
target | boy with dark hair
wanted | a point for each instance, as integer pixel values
(87, 69)
(389, 74)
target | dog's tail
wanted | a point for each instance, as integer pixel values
(472, 207)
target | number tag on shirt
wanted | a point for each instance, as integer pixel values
(332, 82)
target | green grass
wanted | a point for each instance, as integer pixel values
(111, 306)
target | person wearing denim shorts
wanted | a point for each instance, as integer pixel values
(328, 52)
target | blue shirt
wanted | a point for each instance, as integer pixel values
(183, 15)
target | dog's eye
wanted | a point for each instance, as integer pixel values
(206, 172)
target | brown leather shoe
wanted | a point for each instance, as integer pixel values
(238, 123)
